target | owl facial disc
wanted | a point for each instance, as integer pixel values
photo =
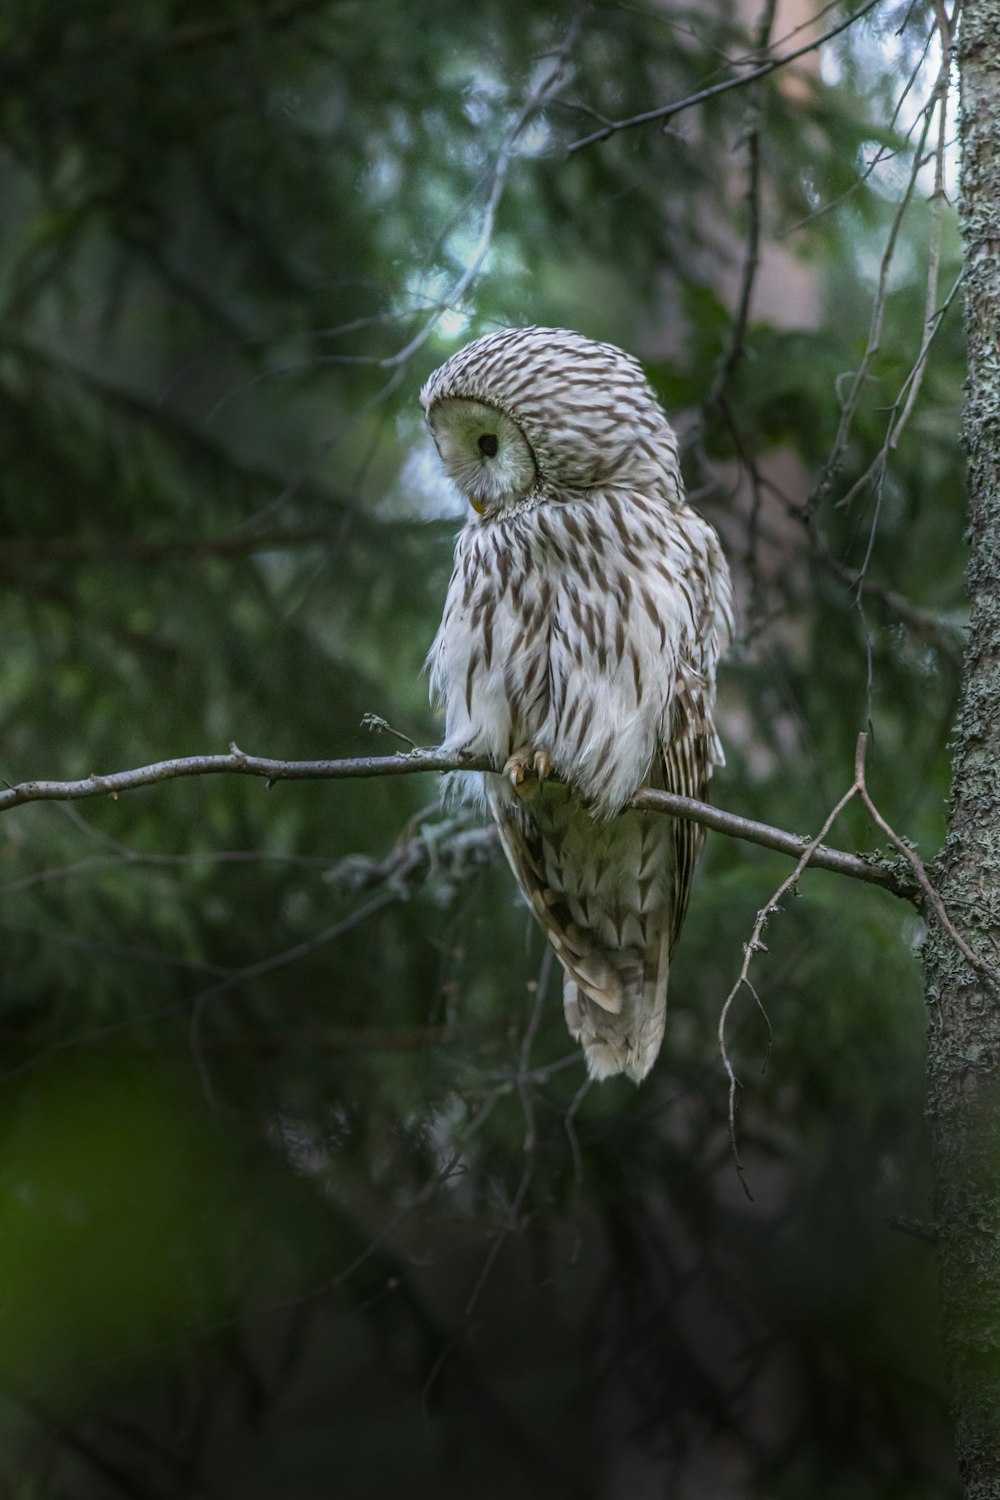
(484, 451)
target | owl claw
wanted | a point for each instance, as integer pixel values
(527, 768)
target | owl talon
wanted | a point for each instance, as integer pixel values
(516, 767)
(526, 768)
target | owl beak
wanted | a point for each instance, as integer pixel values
(478, 506)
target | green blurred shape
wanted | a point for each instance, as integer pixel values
(102, 1180)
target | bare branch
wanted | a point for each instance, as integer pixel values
(238, 763)
(945, 634)
(667, 111)
(270, 965)
(156, 549)
(930, 894)
(837, 861)
(876, 469)
(883, 154)
(210, 33)
(538, 98)
(849, 403)
(535, 102)
(858, 788)
(188, 37)
(756, 945)
(194, 439)
(931, 316)
(735, 347)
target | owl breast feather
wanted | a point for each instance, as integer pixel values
(570, 627)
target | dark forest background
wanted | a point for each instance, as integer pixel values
(302, 1192)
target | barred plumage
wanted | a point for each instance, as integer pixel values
(583, 623)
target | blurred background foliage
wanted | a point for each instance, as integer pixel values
(301, 1190)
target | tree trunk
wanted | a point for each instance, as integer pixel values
(964, 1009)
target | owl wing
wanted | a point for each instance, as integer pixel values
(611, 894)
(534, 853)
(601, 889)
(685, 765)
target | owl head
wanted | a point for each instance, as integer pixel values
(528, 414)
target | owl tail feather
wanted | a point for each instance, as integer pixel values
(627, 1040)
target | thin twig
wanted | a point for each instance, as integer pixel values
(569, 1125)
(756, 945)
(667, 111)
(883, 154)
(735, 345)
(113, 41)
(522, 1080)
(876, 468)
(536, 101)
(538, 98)
(849, 404)
(109, 549)
(735, 349)
(938, 200)
(945, 634)
(919, 870)
(858, 788)
(264, 967)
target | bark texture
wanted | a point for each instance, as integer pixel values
(964, 1009)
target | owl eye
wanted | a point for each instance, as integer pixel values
(487, 445)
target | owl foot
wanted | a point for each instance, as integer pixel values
(527, 769)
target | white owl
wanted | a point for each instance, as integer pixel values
(585, 616)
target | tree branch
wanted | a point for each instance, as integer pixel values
(934, 904)
(757, 945)
(196, 34)
(64, 549)
(238, 763)
(667, 111)
(735, 349)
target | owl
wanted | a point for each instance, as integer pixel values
(584, 618)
